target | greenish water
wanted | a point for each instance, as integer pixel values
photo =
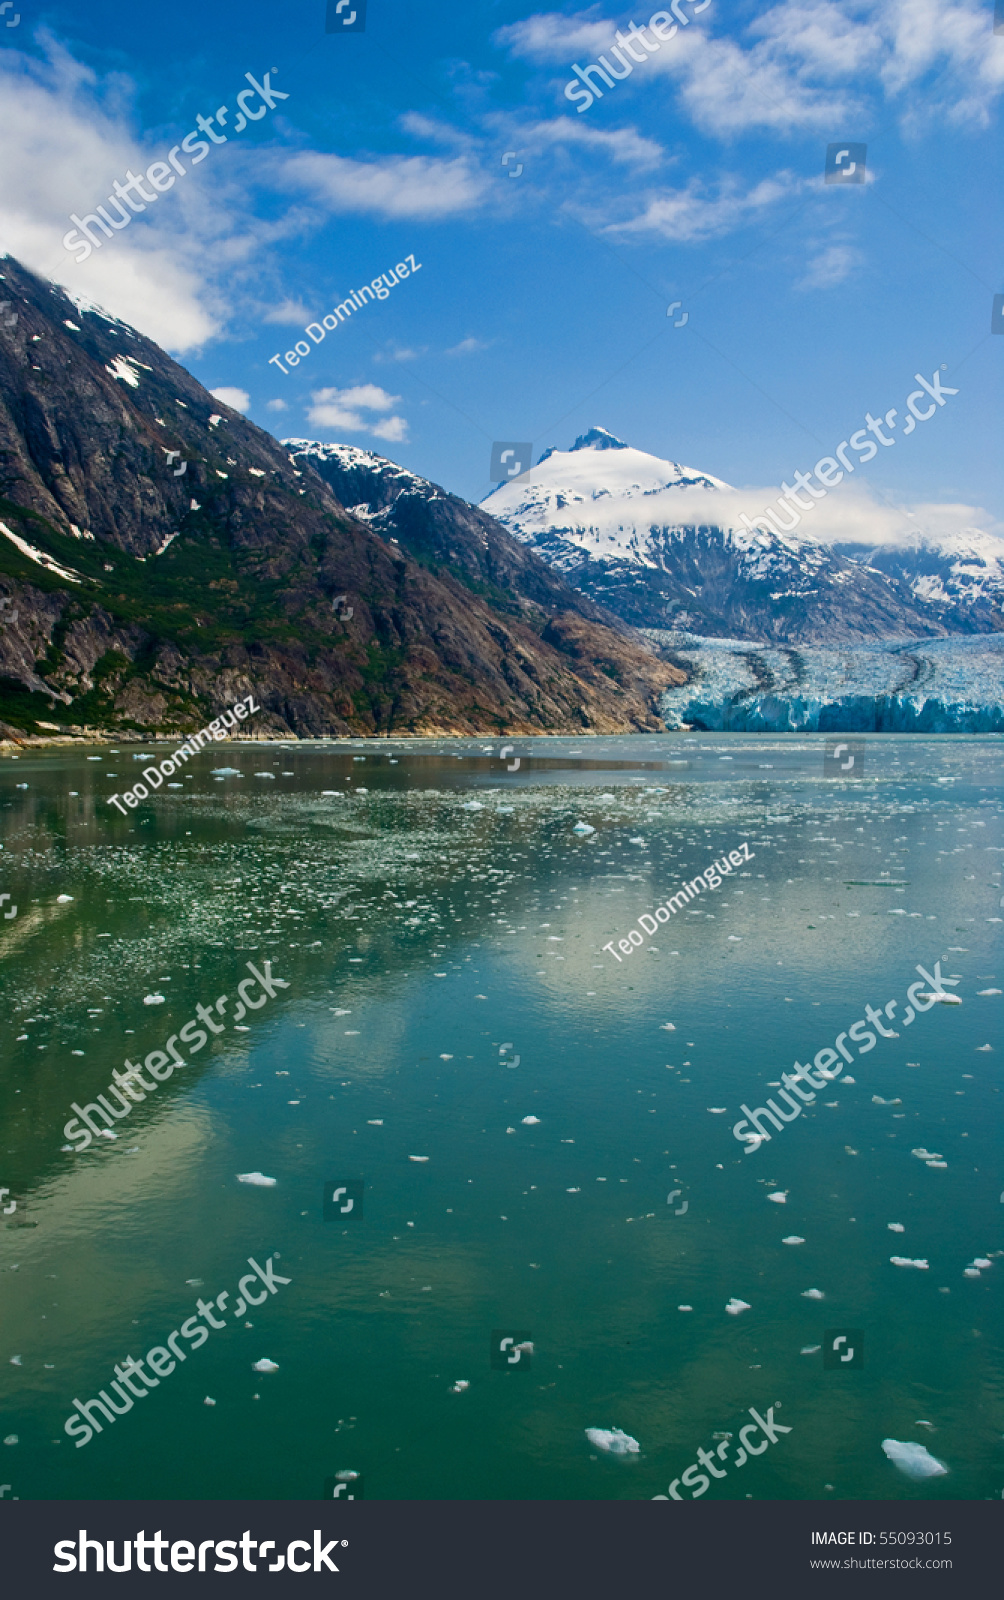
(434, 919)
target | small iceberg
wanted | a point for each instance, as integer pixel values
(153, 999)
(226, 772)
(895, 1227)
(793, 1238)
(735, 1306)
(257, 1178)
(63, 899)
(904, 1261)
(529, 1122)
(813, 1294)
(613, 1440)
(779, 1197)
(265, 1365)
(583, 828)
(913, 1459)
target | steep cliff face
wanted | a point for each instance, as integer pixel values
(160, 554)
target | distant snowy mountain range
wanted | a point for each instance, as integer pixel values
(644, 537)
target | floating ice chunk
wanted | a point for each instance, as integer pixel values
(613, 1440)
(684, 1308)
(904, 1261)
(981, 1261)
(946, 999)
(11, 1439)
(469, 805)
(971, 1272)
(779, 1197)
(226, 772)
(574, 1191)
(668, 1027)
(375, 1122)
(265, 775)
(418, 1158)
(209, 1401)
(264, 1365)
(717, 1111)
(460, 1385)
(988, 991)
(925, 1155)
(877, 1100)
(793, 1238)
(810, 1349)
(942, 1164)
(895, 1227)
(913, 1459)
(63, 899)
(153, 999)
(528, 1122)
(15, 1361)
(984, 1047)
(607, 797)
(257, 1178)
(583, 828)
(848, 1079)
(813, 1294)
(735, 1306)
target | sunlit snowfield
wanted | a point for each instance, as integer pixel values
(436, 918)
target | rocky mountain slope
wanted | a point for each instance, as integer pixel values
(635, 533)
(161, 555)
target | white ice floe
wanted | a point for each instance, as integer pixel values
(925, 1155)
(418, 1158)
(374, 1122)
(735, 1306)
(684, 1308)
(469, 805)
(913, 1459)
(63, 899)
(208, 1401)
(793, 1238)
(613, 1440)
(153, 999)
(460, 1385)
(981, 1261)
(583, 828)
(718, 1111)
(904, 1261)
(813, 1294)
(779, 1197)
(226, 772)
(668, 1027)
(529, 1122)
(257, 1178)
(265, 1365)
(896, 1227)
(988, 991)
(877, 1100)
(810, 1349)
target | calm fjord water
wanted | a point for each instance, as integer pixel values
(440, 925)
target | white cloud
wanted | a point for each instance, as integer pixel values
(289, 313)
(469, 347)
(691, 215)
(236, 399)
(550, 39)
(276, 405)
(342, 410)
(831, 264)
(393, 186)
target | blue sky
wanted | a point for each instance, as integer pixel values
(540, 306)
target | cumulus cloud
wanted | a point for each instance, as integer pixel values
(691, 215)
(849, 514)
(289, 313)
(392, 186)
(236, 399)
(276, 405)
(829, 266)
(342, 410)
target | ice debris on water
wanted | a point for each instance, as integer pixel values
(209, 1401)
(810, 1349)
(460, 1385)
(63, 899)
(613, 1440)
(779, 1197)
(813, 1294)
(153, 999)
(418, 1158)
(530, 1121)
(583, 828)
(257, 1178)
(265, 1365)
(904, 1261)
(913, 1459)
(896, 1227)
(793, 1238)
(735, 1306)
